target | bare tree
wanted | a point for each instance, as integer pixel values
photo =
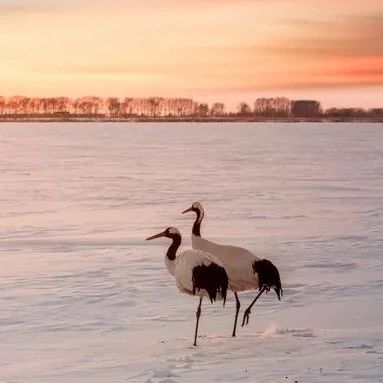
(2, 105)
(63, 104)
(113, 105)
(202, 110)
(244, 109)
(272, 107)
(154, 103)
(13, 104)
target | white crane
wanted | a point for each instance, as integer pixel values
(195, 272)
(245, 270)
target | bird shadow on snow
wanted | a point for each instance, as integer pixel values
(178, 358)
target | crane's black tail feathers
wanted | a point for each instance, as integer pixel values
(213, 279)
(268, 276)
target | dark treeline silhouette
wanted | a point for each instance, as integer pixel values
(96, 106)
(19, 107)
(354, 113)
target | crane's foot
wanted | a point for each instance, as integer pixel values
(246, 317)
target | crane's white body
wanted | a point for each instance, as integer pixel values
(195, 272)
(237, 261)
(244, 270)
(182, 269)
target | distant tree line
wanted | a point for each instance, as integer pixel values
(282, 107)
(96, 106)
(153, 107)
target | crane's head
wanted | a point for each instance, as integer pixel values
(170, 232)
(196, 207)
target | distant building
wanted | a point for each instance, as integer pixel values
(306, 108)
(272, 107)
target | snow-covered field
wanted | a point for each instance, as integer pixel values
(83, 298)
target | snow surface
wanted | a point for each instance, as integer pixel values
(83, 298)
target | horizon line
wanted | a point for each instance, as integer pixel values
(122, 99)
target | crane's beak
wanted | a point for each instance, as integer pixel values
(159, 235)
(187, 210)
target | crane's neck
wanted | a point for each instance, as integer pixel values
(171, 254)
(197, 223)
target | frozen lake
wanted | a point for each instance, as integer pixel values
(83, 298)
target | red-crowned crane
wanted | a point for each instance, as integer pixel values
(195, 271)
(245, 270)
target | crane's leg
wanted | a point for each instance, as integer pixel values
(198, 314)
(237, 307)
(247, 312)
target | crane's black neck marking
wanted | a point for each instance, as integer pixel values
(197, 223)
(172, 251)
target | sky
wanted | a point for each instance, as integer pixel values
(210, 50)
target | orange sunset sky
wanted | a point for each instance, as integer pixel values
(211, 50)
